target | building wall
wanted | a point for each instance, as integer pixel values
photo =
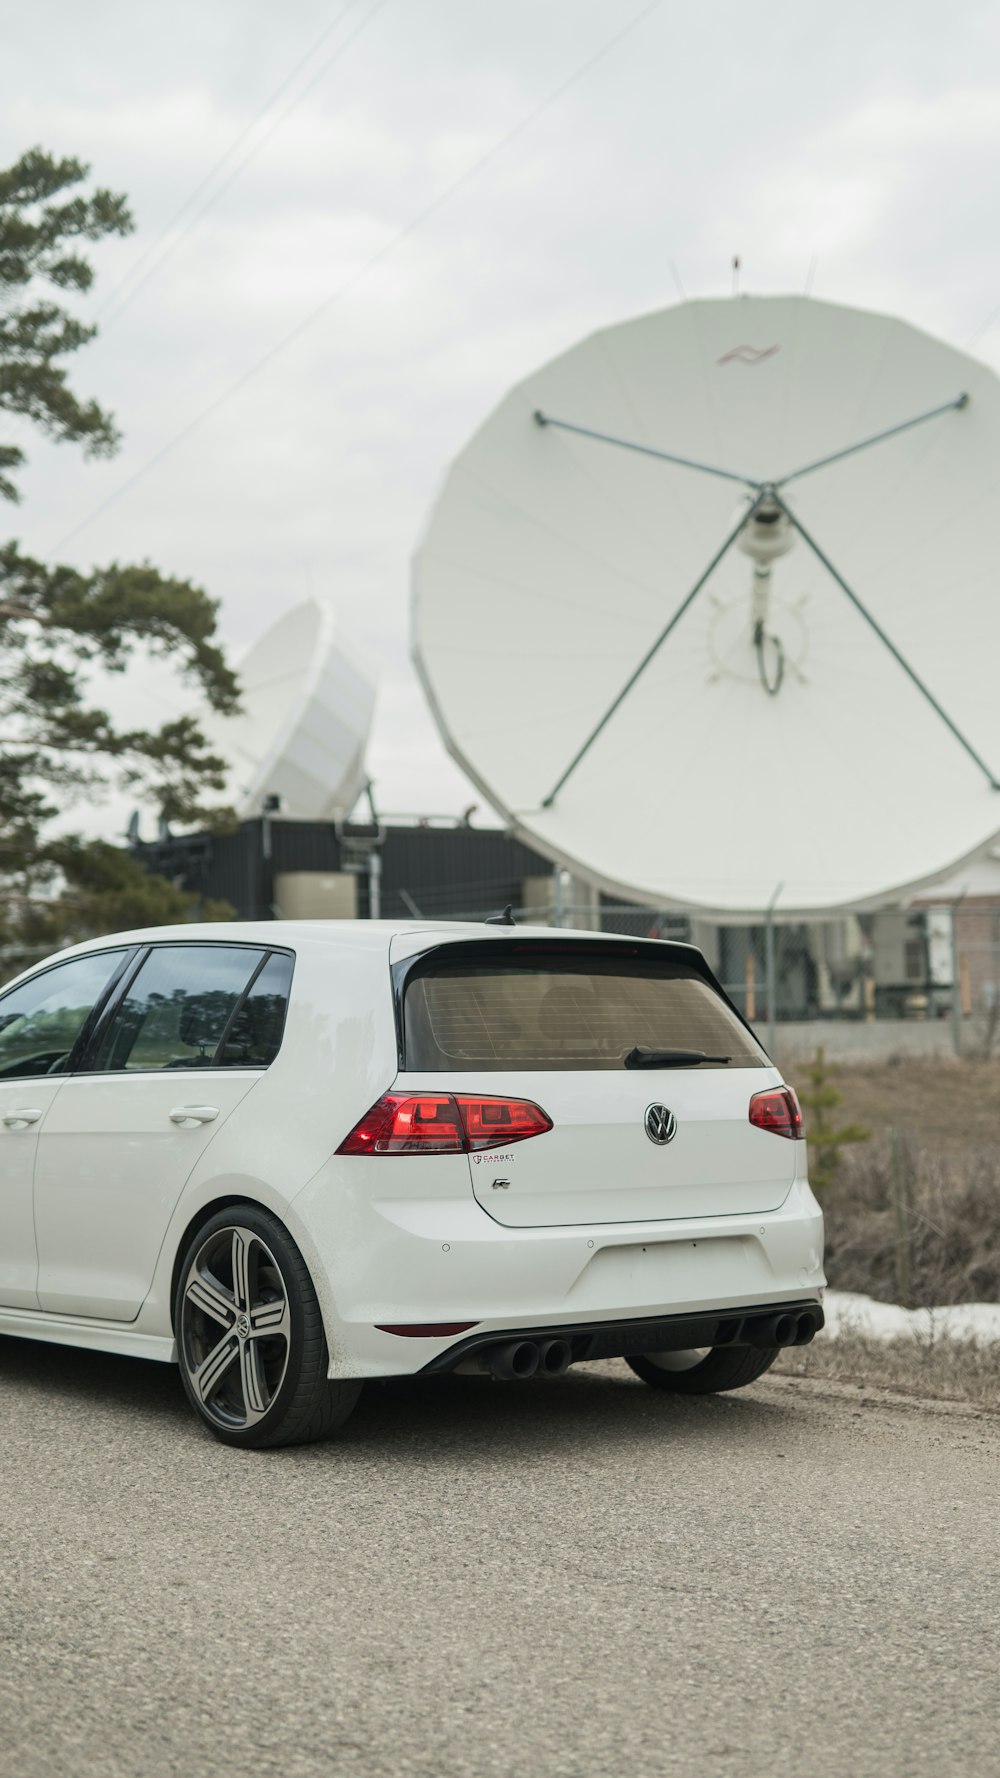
(977, 946)
(445, 872)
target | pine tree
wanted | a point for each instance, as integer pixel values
(826, 1140)
(40, 228)
(57, 623)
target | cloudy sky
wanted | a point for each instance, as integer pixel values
(360, 220)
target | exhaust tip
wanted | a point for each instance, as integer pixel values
(771, 1330)
(554, 1357)
(515, 1359)
(523, 1358)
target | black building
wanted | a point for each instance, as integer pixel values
(272, 868)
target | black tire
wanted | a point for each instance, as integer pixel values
(250, 1343)
(722, 1367)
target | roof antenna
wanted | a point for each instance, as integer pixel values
(504, 919)
(736, 274)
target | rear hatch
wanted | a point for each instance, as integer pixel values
(608, 1039)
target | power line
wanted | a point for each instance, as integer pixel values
(109, 300)
(343, 290)
(981, 331)
(111, 309)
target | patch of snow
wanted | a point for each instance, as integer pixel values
(847, 1312)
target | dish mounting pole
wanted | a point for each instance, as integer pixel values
(650, 652)
(768, 494)
(628, 444)
(874, 624)
(933, 413)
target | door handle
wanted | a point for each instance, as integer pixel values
(17, 1120)
(193, 1114)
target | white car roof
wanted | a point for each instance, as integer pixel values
(303, 935)
(392, 939)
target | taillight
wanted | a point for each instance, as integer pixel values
(426, 1123)
(778, 1111)
(443, 1123)
(492, 1123)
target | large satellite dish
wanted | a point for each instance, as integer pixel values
(709, 607)
(303, 729)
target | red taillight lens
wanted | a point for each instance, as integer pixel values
(427, 1123)
(492, 1123)
(443, 1123)
(778, 1111)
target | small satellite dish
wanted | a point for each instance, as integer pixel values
(303, 729)
(707, 608)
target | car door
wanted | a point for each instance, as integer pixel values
(41, 1022)
(126, 1132)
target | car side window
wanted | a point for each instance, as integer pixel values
(254, 1036)
(41, 1019)
(177, 1008)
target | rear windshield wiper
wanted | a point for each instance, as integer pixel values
(640, 1058)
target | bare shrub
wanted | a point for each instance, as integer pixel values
(944, 1207)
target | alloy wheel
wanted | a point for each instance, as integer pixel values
(679, 1361)
(235, 1327)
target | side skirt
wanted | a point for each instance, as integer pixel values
(94, 1336)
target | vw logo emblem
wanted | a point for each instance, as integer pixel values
(661, 1124)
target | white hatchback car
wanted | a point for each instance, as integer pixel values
(293, 1156)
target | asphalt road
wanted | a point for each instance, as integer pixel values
(577, 1578)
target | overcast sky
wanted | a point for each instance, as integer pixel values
(853, 147)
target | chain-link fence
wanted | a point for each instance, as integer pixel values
(930, 974)
(902, 969)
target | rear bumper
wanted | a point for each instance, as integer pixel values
(432, 1256)
(747, 1326)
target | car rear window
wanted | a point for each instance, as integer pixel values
(559, 1008)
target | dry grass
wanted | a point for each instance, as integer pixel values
(919, 1227)
(942, 1105)
(914, 1217)
(944, 1368)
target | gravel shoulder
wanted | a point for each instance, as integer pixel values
(566, 1579)
(965, 1372)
